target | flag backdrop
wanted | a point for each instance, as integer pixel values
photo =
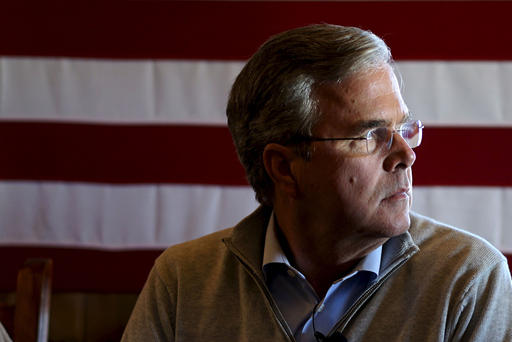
(113, 133)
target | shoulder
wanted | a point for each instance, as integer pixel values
(471, 272)
(204, 245)
(442, 242)
(194, 253)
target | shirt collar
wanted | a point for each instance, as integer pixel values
(371, 262)
(273, 253)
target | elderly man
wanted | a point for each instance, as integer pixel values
(333, 253)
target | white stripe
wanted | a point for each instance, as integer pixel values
(459, 93)
(107, 216)
(484, 211)
(116, 91)
(439, 93)
(147, 216)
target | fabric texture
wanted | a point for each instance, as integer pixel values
(439, 284)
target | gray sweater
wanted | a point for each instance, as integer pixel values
(443, 285)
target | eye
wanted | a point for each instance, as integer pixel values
(381, 134)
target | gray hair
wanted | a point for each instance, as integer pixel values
(272, 99)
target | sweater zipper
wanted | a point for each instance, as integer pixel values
(263, 288)
(342, 324)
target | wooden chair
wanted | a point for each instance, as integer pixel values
(28, 320)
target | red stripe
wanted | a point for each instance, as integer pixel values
(87, 270)
(119, 154)
(466, 156)
(205, 154)
(233, 30)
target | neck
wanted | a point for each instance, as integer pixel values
(322, 259)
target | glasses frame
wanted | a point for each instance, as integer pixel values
(398, 130)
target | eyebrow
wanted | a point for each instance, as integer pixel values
(361, 126)
(407, 117)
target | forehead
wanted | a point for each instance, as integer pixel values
(372, 95)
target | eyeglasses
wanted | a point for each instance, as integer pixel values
(377, 138)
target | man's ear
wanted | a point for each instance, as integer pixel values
(278, 161)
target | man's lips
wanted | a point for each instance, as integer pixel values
(402, 193)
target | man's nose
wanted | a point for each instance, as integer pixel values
(400, 154)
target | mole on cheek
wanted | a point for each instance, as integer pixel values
(352, 180)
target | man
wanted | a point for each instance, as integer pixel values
(333, 253)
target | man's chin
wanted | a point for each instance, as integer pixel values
(396, 223)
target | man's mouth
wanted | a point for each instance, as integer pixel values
(400, 194)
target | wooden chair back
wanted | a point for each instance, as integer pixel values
(28, 320)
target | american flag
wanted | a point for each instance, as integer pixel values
(113, 129)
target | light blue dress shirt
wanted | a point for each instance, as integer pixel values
(297, 299)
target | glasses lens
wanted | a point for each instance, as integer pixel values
(412, 133)
(378, 137)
